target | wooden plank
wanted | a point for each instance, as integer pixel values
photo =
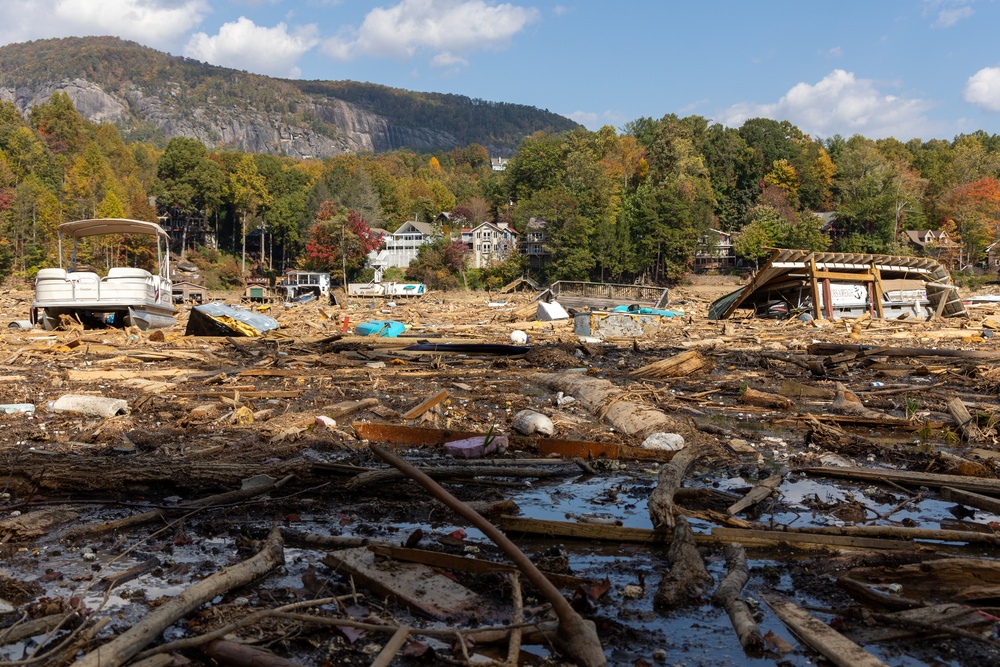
(971, 499)
(123, 374)
(399, 434)
(762, 538)
(933, 480)
(821, 637)
(773, 538)
(215, 393)
(849, 277)
(965, 422)
(915, 623)
(758, 493)
(426, 405)
(877, 290)
(464, 564)
(814, 287)
(415, 585)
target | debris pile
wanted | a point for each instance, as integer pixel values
(700, 492)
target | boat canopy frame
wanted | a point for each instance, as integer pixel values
(78, 229)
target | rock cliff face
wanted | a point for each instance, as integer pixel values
(341, 127)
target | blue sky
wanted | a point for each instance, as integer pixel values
(917, 68)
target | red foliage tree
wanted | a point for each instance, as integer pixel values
(339, 238)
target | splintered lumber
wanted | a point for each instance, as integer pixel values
(902, 533)
(763, 399)
(256, 486)
(837, 648)
(727, 596)
(970, 580)
(824, 349)
(391, 648)
(426, 405)
(923, 622)
(933, 480)
(464, 563)
(29, 526)
(455, 472)
(793, 389)
(747, 537)
(606, 399)
(575, 636)
(122, 648)
(338, 410)
(688, 578)
(686, 363)
(976, 500)
(662, 510)
(38, 626)
(415, 585)
(758, 493)
(61, 472)
(965, 422)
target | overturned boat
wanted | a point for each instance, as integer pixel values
(126, 296)
(844, 285)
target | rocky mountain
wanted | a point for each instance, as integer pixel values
(154, 96)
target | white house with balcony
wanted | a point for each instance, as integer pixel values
(492, 242)
(403, 245)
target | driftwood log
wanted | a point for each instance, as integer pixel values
(662, 510)
(126, 645)
(93, 474)
(688, 578)
(604, 397)
(727, 596)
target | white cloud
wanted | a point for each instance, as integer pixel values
(446, 28)
(948, 17)
(448, 59)
(242, 44)
(595, 121)
(153, 22)
(840, 104)
(983, 89)
(835, 52)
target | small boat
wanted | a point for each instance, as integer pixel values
(126, 296)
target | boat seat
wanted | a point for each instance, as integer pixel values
(126, 272)
(51, 274)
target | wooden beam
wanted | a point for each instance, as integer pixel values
(814, 288)
(426, 405)
(877, 289)
(933, 480)
(848, 277)
(971, 499)
(837, 648)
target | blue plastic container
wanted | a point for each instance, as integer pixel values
(380, 328)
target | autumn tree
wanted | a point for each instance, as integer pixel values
(974, 210)
(339, 239)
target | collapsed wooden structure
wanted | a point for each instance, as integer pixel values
(598, 296)
(825, 284)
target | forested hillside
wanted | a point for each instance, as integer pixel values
(154, 96)
(620, 205)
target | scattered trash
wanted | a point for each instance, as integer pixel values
(477, 447)
(667, 442)
(12, 408)
(218, 319)
(380, 328)
(91, 406)
(518, 337)
(548, 312)
(529, 422)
